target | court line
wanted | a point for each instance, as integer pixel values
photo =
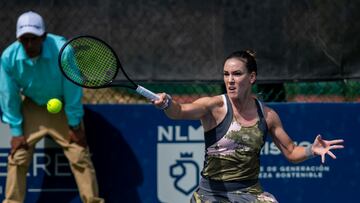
(52, 190)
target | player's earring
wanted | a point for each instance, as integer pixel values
(252, 78)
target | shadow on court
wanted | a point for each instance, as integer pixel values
(65, 185)
(117, 169)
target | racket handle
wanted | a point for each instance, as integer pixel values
(146, 93)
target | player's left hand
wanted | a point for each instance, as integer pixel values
(78, 136)
(322, 147)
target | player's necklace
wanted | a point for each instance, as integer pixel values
(246, 124)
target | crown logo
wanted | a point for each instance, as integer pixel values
(186, 155)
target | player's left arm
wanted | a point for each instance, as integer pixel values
(293, 152)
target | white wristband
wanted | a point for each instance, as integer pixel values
(308, 152)
(167, 102)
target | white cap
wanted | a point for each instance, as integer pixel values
(30, 22)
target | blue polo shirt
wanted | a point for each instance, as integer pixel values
(39, 79)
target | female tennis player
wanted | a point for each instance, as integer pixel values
(235, 126)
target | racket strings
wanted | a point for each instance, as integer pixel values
(89, 62)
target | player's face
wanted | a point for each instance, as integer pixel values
(32, 44)
(238, 80)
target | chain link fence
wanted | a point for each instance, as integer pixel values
(165, 42)
(326, 91)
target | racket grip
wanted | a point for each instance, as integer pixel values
(146, 93)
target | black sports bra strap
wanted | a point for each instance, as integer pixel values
(215, 134)
(262, 121)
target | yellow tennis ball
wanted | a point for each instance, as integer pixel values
(54, 105)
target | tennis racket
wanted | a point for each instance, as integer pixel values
(90, 62)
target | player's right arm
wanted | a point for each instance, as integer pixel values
(206, 109)
(192, 111)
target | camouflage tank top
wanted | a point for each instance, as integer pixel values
(233, 151)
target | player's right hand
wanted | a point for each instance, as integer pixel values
(17, 143)
(162, 102)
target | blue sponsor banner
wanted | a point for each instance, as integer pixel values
(142, 156)
(336, 180)
(49, 177)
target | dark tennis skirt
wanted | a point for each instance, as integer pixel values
(229, 192)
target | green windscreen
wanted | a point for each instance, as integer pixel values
(88, 62)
